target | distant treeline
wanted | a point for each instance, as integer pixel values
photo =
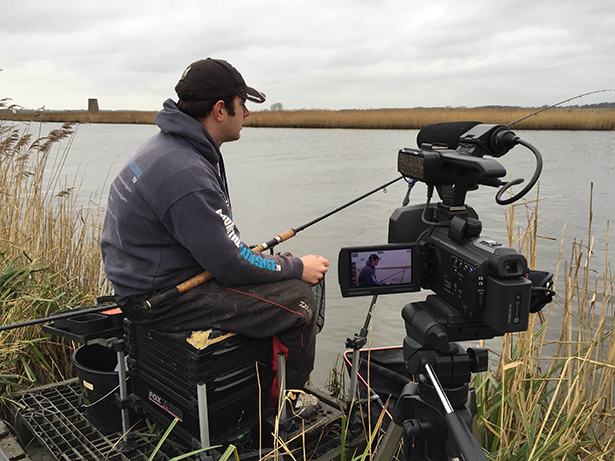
(591, 117)
(602, 105)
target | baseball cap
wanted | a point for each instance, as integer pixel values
(374, 256)
(214, 78)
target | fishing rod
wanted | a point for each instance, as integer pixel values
(403, 271)
(205, 276)
(557, 104)
(64, 315)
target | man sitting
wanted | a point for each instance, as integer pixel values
(169, 218)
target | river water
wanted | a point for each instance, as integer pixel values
(283, 178)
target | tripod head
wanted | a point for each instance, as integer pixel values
(440, 405)
(430, 326)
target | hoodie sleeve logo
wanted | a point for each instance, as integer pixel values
(245, 252)
(230, 228)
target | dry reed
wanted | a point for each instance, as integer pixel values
(125, 116)
(552, 398)
(49, 253)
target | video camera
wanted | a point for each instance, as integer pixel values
(484, 288)
(481, 288)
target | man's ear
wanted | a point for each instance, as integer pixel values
(219, 110)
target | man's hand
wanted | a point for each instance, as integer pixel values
(314, 268)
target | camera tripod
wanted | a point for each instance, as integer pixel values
(434, 414)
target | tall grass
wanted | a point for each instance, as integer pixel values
(551, 395)
(49, 256)
(553, 119)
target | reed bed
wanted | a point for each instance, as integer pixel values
(123, 116)
(551, 395)
(554, 119)
(401, 119)
(49, 253)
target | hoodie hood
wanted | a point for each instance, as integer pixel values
(172, 121)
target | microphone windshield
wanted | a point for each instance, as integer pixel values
(444, 134)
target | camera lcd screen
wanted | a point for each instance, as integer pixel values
(392, 268)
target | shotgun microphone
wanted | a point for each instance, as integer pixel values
(444, 135)
(472, 138)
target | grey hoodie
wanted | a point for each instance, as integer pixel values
(169, 217)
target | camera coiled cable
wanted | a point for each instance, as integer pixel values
(526, 189)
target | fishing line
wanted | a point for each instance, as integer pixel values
(403, 272)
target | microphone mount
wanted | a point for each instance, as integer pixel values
(452, 157)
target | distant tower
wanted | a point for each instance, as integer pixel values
(93, 105)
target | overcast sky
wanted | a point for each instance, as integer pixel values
(331, 54)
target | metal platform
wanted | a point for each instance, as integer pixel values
(54, 417)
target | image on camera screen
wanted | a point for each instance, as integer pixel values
(381, 268)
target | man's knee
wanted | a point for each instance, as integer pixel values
(304, 298)
(294, 294)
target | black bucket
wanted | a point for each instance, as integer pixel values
(96, 371)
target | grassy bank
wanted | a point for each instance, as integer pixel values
(553, 119)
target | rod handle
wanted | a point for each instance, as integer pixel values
(167, 295)
(194, 282)
(276, 240)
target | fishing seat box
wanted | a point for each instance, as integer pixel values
(166, 369)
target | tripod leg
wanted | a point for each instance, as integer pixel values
(389, 444)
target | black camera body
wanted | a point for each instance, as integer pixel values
(478, 277)
(481, 281)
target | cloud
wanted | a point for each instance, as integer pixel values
(328, 54)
